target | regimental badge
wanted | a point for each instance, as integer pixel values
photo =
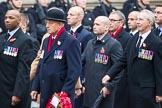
(145, 54)
(58, 43)
(102, 51)
(11, 51)
(58, 54)
(42, 54)
(144, 45)
(101, 58)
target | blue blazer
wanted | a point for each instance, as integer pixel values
(59, 68)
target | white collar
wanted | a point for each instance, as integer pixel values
(75, 28)
(133, 32)
(12, 32)
(100, 37)
(144, 36)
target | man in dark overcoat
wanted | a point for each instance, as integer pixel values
(117, 31)
(143, 59)
(60, 62)
(100, 54)
(15, 52)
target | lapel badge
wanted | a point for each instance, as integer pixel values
(12, 39)
(102, 50)
(58, 43)
(144, 45)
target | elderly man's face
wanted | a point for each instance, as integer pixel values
(143, 24)
(52, 26)
(115, 22)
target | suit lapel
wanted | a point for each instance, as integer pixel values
(147, 41)
(14, 37)
(58, 43)
(78, 31)
(134, 49)
(144, 45)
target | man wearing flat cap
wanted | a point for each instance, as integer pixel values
(60, 63)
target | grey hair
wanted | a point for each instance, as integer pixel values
(120, 14)
(149, 16)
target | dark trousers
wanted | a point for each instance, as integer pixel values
(79, 102)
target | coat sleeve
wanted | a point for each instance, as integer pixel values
(116, 53)
(74, 66)
(22, 82)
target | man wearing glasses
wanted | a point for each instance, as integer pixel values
(117, 21)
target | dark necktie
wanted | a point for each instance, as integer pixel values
(131, 34)
(139, 41)
(71, 32)
(160, 32)
(7, 36)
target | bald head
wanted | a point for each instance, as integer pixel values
(103, 19)
(12, 19)
(75, 16)
(132, 20)
(101, 25)
(77, 10)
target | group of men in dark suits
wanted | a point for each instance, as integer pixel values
(111, 60)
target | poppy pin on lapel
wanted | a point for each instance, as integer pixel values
(102, 50)
(12, 39)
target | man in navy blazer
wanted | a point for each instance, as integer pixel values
(74, 19)
(143, 60)
(15, 53)
(60, 63)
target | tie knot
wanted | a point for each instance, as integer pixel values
(140, 37)
(71, 32)
(139, 41)
(7, 36)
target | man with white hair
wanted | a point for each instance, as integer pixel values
(142, 59)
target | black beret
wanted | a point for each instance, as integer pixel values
(55, 14)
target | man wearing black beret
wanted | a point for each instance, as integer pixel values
(60, 63)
